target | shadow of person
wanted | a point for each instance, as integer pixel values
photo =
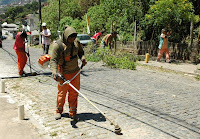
(98, 117)
(87, 116)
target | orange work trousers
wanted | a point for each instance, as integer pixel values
(22, 59)
(160, 53)
(72, 94)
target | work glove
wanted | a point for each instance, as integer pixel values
(41, 33)
(57, 78)
(84, 62)
(27, 54)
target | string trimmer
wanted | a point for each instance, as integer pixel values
(29, 59)
(117, 128)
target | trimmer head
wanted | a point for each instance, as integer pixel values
(118, 130)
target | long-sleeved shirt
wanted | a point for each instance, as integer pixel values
(19, 43)
(63, 58)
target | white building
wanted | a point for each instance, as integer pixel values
(9, 29)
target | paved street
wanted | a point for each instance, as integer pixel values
(145, 103)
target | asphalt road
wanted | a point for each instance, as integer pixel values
(145, 103)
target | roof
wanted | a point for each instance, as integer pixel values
(9, 26)
(10, 29)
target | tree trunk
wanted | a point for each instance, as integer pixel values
(135, 32)
(191, 34)
(40, 21)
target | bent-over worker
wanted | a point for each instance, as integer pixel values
(19, 48)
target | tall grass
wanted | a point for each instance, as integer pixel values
(118, 60)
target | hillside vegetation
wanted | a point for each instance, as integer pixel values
(120, 15)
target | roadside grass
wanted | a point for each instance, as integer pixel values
(121, 60)
(198, 77)
(53, 134)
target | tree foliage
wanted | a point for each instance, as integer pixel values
(176, 14)
(15, 14)
(119, 15)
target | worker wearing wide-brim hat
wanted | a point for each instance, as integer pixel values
(64, 60)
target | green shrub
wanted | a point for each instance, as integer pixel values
(121, 60)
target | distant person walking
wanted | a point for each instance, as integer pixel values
(163, 45)
(108, 40)
(19, 48)
(46, 34)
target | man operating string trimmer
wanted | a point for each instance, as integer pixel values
(64, 60)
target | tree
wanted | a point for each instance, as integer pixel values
(50, 17)
(14, 14)
(174, 13)
(120, 14)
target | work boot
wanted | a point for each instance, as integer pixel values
(158, 60)
(24, 74)
(58, 116)
(21, 75)
(168, 61)
(74, 117)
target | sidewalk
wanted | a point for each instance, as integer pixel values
(186, 68)
(10, 126)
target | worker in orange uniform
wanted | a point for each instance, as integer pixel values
(19, 48)
(65, 61)
(163, 45)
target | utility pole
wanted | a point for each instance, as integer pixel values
(40, 20)
(135, 32)
(59, 13)
(59, 34)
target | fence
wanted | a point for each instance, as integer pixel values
(178, 51)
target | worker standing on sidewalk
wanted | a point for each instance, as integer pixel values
(163, 45)
(65, 61)
(19, 48)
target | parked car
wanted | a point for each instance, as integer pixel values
(84, 39)
(3, 37)
(0, 43)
